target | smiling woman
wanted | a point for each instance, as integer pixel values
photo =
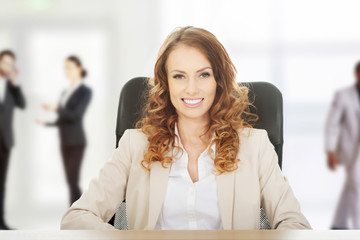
(194, 162)
(190, 88)
(194, 83)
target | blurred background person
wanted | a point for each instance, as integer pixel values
(342, 146)
(71, 109)
(10, 97)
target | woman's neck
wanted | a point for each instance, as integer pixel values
(2, 75)
(191, 130)
(75, 81)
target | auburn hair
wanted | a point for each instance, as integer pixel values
(228, 113)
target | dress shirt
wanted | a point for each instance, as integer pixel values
(189, 205)
(2, 88)
(358, 90)
(68, 92)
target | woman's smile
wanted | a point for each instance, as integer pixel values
(192, 102)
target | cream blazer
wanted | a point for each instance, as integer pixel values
(258, 181)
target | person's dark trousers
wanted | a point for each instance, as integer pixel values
(72, 158)
(4, 162)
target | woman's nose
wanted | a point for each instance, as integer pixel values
(191, 87)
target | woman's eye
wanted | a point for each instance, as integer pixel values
(205, 75)
(178, 76)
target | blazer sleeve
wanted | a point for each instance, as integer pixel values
(56, 122)
(75, 114)
(333, 123)
(105, 194)
(52, 124)
(18, 96)
(277, 198)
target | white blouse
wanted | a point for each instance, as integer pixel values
(188, 205)
(2, 89)
(68, 92)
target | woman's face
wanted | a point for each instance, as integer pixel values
(191, 81)
(72, 71)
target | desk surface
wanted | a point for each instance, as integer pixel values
(201, 234)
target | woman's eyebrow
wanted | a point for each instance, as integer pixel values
(202, 69)
(177, 71)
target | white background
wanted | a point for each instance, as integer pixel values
(306, 48)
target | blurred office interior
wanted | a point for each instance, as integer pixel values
(306, 48)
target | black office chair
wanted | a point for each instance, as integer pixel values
(268, 105)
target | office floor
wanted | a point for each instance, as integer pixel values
(314, 185)
(304, 164)
(44, 217)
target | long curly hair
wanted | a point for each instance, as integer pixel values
(228, 113)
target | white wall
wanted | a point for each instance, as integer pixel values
(306, 48)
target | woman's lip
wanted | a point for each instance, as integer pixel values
(192, 102)
(192, 98)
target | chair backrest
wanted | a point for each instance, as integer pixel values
(266, 98)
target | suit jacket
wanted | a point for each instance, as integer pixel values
(257, 181)
(13, 98)
(70, 118)
(342, 132)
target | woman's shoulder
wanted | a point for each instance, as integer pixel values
(135, 136)
(137, 133)
(248, 133)
(133, 141)
(253, 143)
(252, 134)
(85, 87)
(251, 139)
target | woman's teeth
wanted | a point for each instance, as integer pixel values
(192, 101)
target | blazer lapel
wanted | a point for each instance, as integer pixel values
(225, 192)
(158, 185)
(356, 98)
(6, 92)
(73, 96)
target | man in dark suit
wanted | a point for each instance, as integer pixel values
(10, 97)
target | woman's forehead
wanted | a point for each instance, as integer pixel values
(187, 58)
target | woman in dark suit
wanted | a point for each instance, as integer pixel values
(71, 109)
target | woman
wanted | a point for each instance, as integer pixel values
(71, 110)
(195, 162)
